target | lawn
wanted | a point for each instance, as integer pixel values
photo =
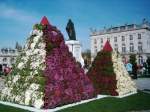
(140, 101)
(4, 108)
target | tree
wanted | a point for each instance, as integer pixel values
(134, 65)
(148, 64)
(87, 58)
(132, 59)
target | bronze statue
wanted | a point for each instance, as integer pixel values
(70, 30)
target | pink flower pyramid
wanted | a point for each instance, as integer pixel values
(46, 75)
(102, 73)
(65, 80)
(109, 75)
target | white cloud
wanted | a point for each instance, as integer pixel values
(16, 14)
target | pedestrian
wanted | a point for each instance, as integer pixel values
(145, 68)
(129, 68)
(148, 65)
(134, 68)
(7, 70)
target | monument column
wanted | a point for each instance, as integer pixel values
(73, 44)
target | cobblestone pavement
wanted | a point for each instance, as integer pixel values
(141, 111)
(143, 83)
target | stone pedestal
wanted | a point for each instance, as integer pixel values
(75, 48)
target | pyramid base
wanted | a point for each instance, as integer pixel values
(62, 107)
(49, 110)
(120, 96)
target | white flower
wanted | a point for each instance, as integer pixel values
(36, 39)
(6, 91)
(34, 86)
(42, 52)
(36, 51)
(125, 84)
(35, 64)
(38, 103)
(16, 77)
(17, 98)
(20, 65)
(42, 45)
(28, 96)
(40, 33)
(25, 59)
(36, 32)
(33, 45)
(28, 53)
(35, 72)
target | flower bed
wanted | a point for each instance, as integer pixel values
(46, 75)
(109, 75)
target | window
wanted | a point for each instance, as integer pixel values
(116, 47)
(139, 36)
(12, 60)
(123, 44)
(131, 47)
(122, 28)
(139, 43)
(140, 49)
(131, 26)
(108, 39)
(123, 48)
(131, 37)
(4, 65)
(123, 38)
(95, 49)
(6, 51)
(4, 59)
(101, 40)
(115, 28)
(115, 39)
(12, 51)
(95, 42)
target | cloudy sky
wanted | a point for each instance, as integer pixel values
(18, 16)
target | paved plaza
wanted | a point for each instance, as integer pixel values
(143, 83)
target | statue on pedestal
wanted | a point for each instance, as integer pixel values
(73, 44)
(71, 30)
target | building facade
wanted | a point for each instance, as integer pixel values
(7, 57)
(126, 39)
